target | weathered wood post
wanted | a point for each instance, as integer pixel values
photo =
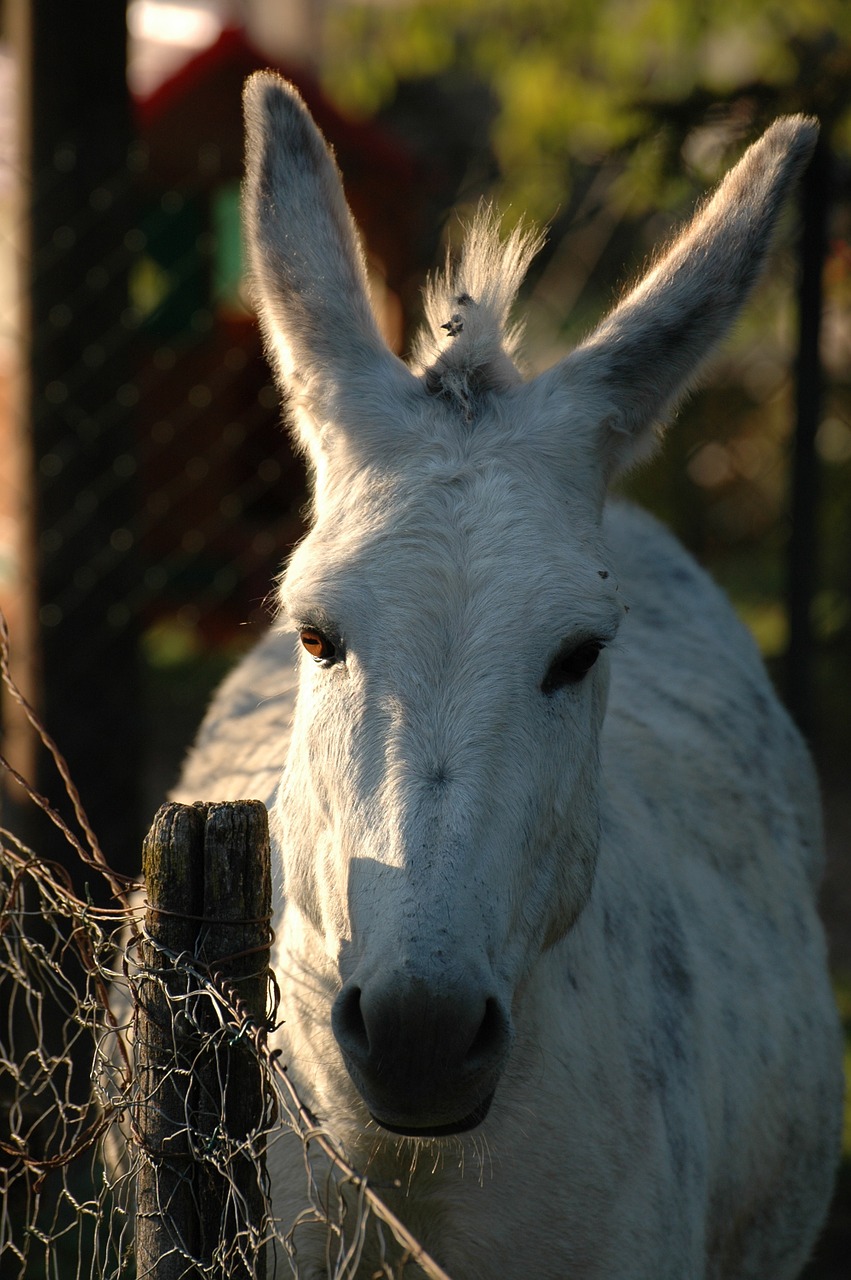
(199, 1197)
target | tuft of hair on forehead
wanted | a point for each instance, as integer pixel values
(467, 346)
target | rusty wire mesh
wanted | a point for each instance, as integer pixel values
(72, 978)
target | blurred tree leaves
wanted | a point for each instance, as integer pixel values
(578, 81)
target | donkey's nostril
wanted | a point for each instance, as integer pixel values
(491, 1037)
(348, 1023)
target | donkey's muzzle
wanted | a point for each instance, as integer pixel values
(464, 1125)
(425, 1057)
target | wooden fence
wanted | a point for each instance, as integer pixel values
(200, 1206)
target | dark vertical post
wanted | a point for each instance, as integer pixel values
(200, 1097)
(803, 542)
(235, 942)
(167, 1220)
(79, 394)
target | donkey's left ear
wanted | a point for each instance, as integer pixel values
(307, 266)
(646, 355)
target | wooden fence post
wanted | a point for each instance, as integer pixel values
(199, 1197)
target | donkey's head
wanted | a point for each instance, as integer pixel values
(454, 602)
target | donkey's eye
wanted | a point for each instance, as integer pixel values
(317, 644)
(571, 664)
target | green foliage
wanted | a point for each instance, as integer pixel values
(575, 82)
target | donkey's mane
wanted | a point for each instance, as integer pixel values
(467, 345)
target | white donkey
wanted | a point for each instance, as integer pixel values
(547, 845)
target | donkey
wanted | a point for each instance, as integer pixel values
(547, 844)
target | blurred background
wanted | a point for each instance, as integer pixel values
(148, 493)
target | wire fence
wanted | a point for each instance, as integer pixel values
(140, 1091)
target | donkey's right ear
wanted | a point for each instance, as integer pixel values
(306, 264)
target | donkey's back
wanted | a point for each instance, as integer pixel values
(692, 702)
(708, 918)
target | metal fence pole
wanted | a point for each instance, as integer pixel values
(200, 1100)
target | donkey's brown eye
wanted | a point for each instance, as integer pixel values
(317, 645)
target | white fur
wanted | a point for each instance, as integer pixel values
(624, 868)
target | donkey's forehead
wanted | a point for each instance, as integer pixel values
(405, 436)
(465, 491)
(501, 531)
(409, 457)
